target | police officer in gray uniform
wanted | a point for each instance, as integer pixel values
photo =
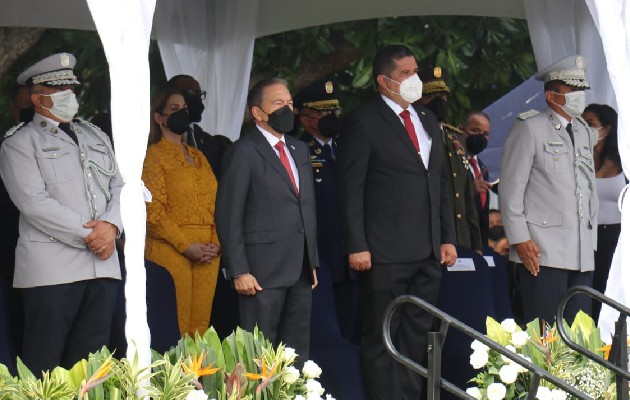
(61, 174)
(547, 195)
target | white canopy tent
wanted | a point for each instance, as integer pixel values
(213, 40)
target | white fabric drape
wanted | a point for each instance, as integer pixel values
(213, 41)
(125, 27)
(561, 28)
(612, 18)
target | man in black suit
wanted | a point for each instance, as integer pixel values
(265, 215)
(476, 129)
(396, 217)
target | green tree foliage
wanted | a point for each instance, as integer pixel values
(484, 58)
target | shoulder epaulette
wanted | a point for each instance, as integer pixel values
(84, 122)
(12, 131)
(527, 114)
(452, 128)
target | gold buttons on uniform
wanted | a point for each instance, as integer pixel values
(459, 216)
(457, 195)
(454, 174)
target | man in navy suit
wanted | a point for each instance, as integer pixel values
(265, 215)
(396, 217)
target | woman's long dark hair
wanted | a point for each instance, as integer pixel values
(607, 116)
(158, 104)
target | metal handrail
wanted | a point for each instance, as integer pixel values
(434, 348)
(619, 345)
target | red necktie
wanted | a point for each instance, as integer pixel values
(285, 162)
(411, 131)
(483, 196)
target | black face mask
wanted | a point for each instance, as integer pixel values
(439, 108)
(27, 114)
(195, 108)
(178, 121)
(281, 120)
(328, 125)
(475, 144)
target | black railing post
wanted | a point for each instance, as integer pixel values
(434, 370)
(619, 355)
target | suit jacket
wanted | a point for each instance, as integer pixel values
(390, 204)
(461, 190)
(212, 146)
(329, 244)
(44, 172)
(262, 223)
(547, 191)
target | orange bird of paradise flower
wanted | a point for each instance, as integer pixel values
(606, 349)
(194, 365)
(267, 376)
(101, 375)
(548, 338)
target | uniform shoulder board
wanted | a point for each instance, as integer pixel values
(84, 122)
(12, 131)
(452, 128)
(527, 114)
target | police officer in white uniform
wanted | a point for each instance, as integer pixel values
(547, 195)
(61, 174)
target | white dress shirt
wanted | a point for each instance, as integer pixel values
(272, 142)
(424, 140)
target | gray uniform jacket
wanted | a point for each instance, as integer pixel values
(55, 185)
(547, 191)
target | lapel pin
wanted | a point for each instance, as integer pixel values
(557, 126)
(292, 148)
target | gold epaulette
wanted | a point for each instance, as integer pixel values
(452, 128)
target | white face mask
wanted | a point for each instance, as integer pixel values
(410, 88)
(65, 105)
(574, 103)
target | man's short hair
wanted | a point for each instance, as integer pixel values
(553, 86)
(255, 95)
(385, 58)
(472, 113)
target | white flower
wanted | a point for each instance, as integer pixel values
(329, 397)
(311, 370)
(474, 392)
(557, 394)
(197, 395)
(496, 391)
(479, 359)
(313, 396)
(519, 339)
(508, 373)
(312, 386)
(509, 325)
(299, 397)
(288, 354)
(543, 393)
(291, 374)
(478, 346)
(512, 349)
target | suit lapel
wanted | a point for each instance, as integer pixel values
(397, 126)
(300, 159)
(434, 132)
(558, 128)
(269, 154)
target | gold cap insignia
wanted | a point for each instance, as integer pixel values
(579, 62)
(437, 72)
(329, 87)
(64, 58)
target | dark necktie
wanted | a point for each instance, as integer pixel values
(570, 130)
(65, 126)
(483, 196)
(327, 152)
(284, 159)
(411, 131)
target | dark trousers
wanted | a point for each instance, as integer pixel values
(384, 378)
(607, 237)
(64, 323)
(282, 314)
(541, 294)
(346, 305)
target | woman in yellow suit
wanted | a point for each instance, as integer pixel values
(181, 233)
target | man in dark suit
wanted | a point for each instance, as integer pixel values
(476, 129)
(265, 215)
(396, 217)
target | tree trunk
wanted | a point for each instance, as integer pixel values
(14, 42)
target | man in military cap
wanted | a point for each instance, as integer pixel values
(435, 94)
(547, 194)
(61, 174)
(318, 110)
